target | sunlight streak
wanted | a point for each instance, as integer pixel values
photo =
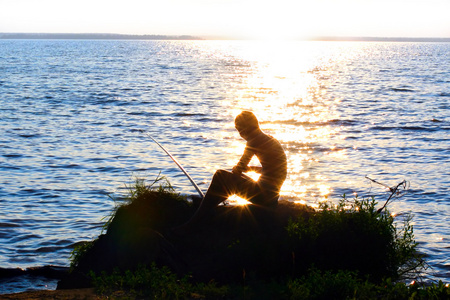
(236, 200)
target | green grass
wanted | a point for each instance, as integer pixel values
(347, 285)
(154, 283)
(160, 283)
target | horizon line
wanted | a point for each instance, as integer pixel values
(120, 36)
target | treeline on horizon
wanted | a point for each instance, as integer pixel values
(113, 36)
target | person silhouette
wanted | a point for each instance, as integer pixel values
(265, 191)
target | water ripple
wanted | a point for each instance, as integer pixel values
(71, 132)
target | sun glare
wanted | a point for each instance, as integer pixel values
(236, 200)
(286, 87)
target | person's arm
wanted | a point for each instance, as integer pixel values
(242, 165)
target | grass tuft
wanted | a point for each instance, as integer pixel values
(361, 240)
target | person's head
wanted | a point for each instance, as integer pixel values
(247, 124)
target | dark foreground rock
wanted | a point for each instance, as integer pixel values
(233, 239)
(238, 242)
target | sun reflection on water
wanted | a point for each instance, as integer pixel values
(286, 87)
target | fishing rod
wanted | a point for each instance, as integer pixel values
(200, 193)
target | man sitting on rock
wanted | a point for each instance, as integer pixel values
(264, 192)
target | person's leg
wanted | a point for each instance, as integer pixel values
(223, 185)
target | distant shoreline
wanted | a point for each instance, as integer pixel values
(93, 36)
(113, 36)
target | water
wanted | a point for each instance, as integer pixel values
(70, 112)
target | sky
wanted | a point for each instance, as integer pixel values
(230, 18)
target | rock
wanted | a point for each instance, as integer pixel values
(232, 239)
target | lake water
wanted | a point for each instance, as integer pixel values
(71, 111)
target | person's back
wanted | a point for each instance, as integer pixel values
(272, 157)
